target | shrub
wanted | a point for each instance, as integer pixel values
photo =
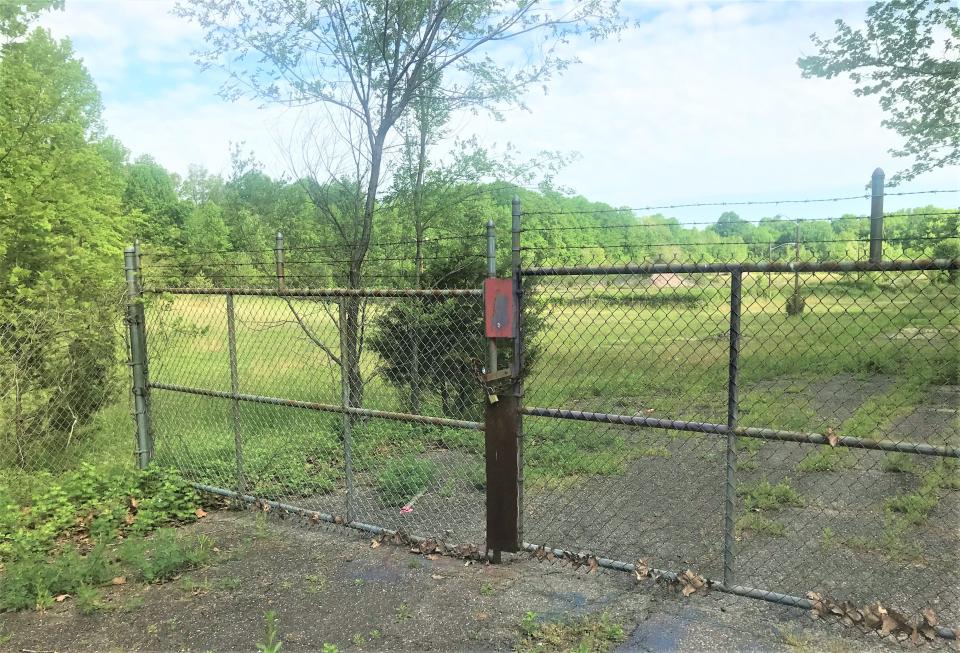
(403, 478)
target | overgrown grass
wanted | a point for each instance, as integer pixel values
(914, 507)
(585, 635)
(753, 522)
(898, 463)
(767, 496)
(826, 459)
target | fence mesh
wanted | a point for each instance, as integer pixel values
(870, 355)
(417, 358)
(838, 377)
(63, 388)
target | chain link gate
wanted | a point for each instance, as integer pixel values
(781, 431)
(774, 429)
(354, 406)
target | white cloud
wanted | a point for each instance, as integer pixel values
(702, 101)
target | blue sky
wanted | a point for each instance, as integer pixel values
(701, 102)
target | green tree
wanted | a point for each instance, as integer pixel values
(61, 235)
(16, 17)
(367, 63)
(151, 196)
(908, 54)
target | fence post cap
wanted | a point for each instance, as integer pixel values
(878, 172)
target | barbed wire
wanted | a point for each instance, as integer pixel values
(288, 262)
(737, 242)
(713, 223)
(736, 203)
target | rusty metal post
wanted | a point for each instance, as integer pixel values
(235, 391)
(502, 423)
(876, 216)
(733, 406)
(278, 253)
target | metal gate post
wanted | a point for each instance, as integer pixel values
(500, 437)
(876, 216)
(235, 391)
(138, 356)
(279, 256)
(345, 362)
(517, 357)
(733, 399)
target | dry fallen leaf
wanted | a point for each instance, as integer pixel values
(374, 544)
(129, 519)
(930, 617)
(691, 582)
(432, 556)
(119, 580)
(436, 577)
(60, 598)
(134, 503)
(832, 438)
(641, 569)
(200, 513)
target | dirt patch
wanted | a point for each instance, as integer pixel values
(329, 586)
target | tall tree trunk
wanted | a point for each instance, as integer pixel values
(415, 392)
(358, 253)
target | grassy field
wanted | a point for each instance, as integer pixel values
(631, 349)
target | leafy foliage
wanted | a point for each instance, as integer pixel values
(59, 539)
(401, 479)
(908, 54)
(90, 504)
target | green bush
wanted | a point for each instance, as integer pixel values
(38, 526)
(403, 478)
(94, 502)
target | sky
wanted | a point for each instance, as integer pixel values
(700, 102)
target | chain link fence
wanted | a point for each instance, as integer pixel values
(358, 405)
(786, 429)
(63, 382)
(776, 412)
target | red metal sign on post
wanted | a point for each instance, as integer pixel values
(498, 307)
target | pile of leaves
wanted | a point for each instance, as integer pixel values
(885, 621)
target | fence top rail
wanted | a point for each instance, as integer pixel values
(324, 292)
(695, 268)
